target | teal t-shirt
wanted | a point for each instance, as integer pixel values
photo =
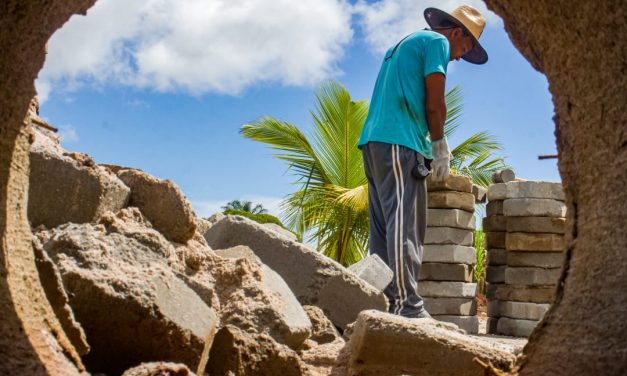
(397, 112)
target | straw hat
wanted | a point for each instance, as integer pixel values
(467, 18)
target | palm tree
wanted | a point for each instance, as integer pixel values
(331, 203)
(246, 206)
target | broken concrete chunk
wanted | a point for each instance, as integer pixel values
(447, 289)
(449, 253)
(457, 183)
(503, 176)
(495, 223)
(521, 241)
(535, 189)
(495, 239)
(547, 260)
(451, 200)
(480, 193)
(159, 369)
(496, 256)
(53, 287)
(497, 191)
(448, 235)
(494, 208)
(495, 274)
(374, 271)
(523, 310)
(282, 316)
(163, 203)
(532, 276)
(450, 218)
(536, 224)
(521, 293)
(312, 277)
(64, 188)
(385, 344)
(515, 328)
(236, 352)
(530, 207)
(323, 330)
(451, 306)
(445, 272)
(470, 324)
(127, 298)
(281, 231)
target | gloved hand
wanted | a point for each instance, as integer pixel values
(441, 159)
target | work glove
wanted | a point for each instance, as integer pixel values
(441, 159)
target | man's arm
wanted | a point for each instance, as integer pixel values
(435, 104)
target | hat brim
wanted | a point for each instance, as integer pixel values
(434, 18)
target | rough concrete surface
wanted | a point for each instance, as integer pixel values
(449, 253)
(128, 299)
(448, 235)
(451, 200)
(531, 276)
(550, 225)
(312, 277)
(533, 207)
(385, 344)
(496, 256)
(494, 208)
(374, 271)
(163, 203)
(452, 183)
(523, 310)
(450, 218)
(548, 260)
(451, 306)
(523, 293)
(159, 369)
(469, 324)
(447, 289)
(445, 272)
(521, 241)
(69, 187)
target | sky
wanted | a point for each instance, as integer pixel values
(165, 85)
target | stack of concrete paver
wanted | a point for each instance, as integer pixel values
(525, 227)
(448, 259)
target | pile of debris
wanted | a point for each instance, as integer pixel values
(525, 227)
(135, 277)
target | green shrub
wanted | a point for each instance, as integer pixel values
(478, 274)
(259, 218)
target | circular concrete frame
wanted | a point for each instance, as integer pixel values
(577, 44)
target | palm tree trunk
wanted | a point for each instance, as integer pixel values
(580, 46)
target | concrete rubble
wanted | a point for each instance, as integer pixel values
(144, 287)
(445, 279)
(525, 228)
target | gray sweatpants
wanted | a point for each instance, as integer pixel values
(398, 219)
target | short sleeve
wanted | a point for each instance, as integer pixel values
(437, 55)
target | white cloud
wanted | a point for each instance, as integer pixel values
(198, 46)
(67, 133)
(387, 21)
(206, 208)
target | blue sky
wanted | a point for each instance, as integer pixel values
(165, 85)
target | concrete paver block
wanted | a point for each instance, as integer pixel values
(550, 225)
(374, 271)
(496, 256)
(495, 274)
(470, 324)
(523, 310)
(457, 183)
(451, 306)
(545, 260)
(495, 223)
(515, 328)
(494, 208)
(450, 218)
(533, 207)
(445, 272)
(535, 189)
(532, 276)
(480, 193)
(497, 191)
(449, 253)
(522, 293)
(451, 200)
(447, 289)
(521, 241)
(448, 235)
(495, 239)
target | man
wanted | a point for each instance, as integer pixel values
(403, 134)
